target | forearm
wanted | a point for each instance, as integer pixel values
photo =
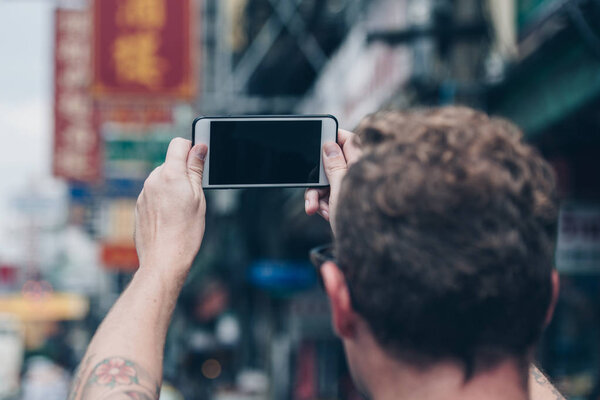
(540, 386)
(124, 358)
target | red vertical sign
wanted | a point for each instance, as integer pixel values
(76, 137)
(142, 47)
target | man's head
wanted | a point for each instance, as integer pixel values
(444, 234)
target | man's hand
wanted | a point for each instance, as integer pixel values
(124, 359)
(336, 160)
(170, 212)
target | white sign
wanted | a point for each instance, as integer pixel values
(578, 243)
(11, 354)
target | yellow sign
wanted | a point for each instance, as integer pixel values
(49, 307)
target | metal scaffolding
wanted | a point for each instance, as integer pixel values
(227, 73)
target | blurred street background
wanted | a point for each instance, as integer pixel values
(91, 92)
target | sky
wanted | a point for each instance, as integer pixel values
(26, 68)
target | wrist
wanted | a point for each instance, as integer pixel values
(165, 280)
(166, 264)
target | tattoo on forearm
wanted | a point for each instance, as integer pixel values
(114, 378)
(541, 380)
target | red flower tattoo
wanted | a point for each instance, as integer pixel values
(115, 370)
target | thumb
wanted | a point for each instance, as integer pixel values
(195, 164)
(334, 164)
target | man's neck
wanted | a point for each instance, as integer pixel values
(446, 381)
(384, 377)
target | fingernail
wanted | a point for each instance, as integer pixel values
(331, 149)
(325, 214)
(201, 153)
(306, 204)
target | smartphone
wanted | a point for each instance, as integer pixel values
(264, 151)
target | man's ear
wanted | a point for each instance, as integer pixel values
(344, 318)
(555, 290)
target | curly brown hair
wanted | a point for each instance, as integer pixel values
(445, 233)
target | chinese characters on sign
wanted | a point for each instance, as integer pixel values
(142, 47)
(76, 138)
(145, 14)
(136, 60)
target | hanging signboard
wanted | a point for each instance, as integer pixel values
(76, 139)
(137, 115)
(142, 48)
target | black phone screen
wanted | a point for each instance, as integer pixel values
(264, 152)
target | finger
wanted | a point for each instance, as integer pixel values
(352, 152)
(323, 192)
(137, 203)
(311, 201)
(177, 153)
(324, 206)
(344, 136)
(348, 141)
(195, 164)
(151, 177)
(155, 171)
(334, 164)
(309, 195)
(324, 214)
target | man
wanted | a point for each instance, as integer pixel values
(443, 222)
